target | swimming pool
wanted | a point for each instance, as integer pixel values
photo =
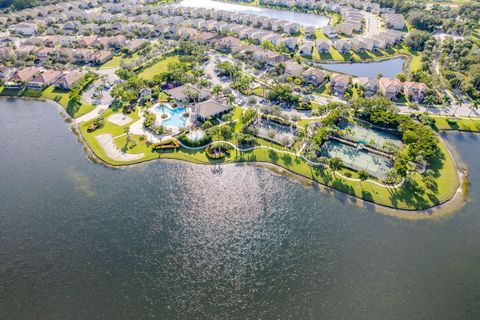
(175, 118)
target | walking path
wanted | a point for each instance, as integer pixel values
(111, 150)
(92, 114)
(315, 164)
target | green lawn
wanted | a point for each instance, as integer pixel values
(403, 198)
(461, 124)
(158, 67)
(118, 59)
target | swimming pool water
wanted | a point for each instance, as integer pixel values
(175, 119)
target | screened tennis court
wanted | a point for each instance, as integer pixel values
(375, 165)
(372, 137)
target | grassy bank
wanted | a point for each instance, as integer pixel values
(51, 93)
(401, 198)
(460, 124)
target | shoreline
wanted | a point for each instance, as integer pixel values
(455, 202)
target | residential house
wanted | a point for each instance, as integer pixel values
(293, 68)
(45, 79)
(345, 28)
(394, 20)
(101, 57)
(226, 44)
(22, 76)
(309, 32)
(329, 31)
(68, 80)
(306, 48)
(292, 28)
(389, 87)
(414, 90)
(339, 83)
(314, 76)
(6, 72)
(322, 46)
(369, 85)
(291, 43)
(343, 46)
(24, 29)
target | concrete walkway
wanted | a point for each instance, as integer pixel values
(92, 114)
(111, 150)
(311, 163)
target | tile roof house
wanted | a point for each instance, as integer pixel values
(394, 20)
(414, 90)
(228, 43)
(68, 80)
(314, 76)
(369, 84)
(291, 42)
(322, 46)
(306, 48)
(292, 68)
(343, 46)
(101, 57)
(24, 75)
(329, 31)
(389, 87)
(46, 78)
(339, 83)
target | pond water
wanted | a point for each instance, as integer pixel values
(388, 68)
(306, 19)
(173, 240)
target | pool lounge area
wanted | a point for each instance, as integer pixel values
(358, 159)
(175, 116)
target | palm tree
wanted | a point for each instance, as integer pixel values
(231, 98)
(216, 90)
(429, 100)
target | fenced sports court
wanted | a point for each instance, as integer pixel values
(369, 136)
(358, 159)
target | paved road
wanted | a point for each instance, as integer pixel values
(373, 25)
(454, 110)
(210, 71)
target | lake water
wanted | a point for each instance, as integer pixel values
(306, 19)
(172, 240)
(388, 68)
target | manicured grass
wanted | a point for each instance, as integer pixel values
(320, 35)
(118, 59)
(157, 68)
(337, 56)
(404, 198)
(415, 62)
(460, 124)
